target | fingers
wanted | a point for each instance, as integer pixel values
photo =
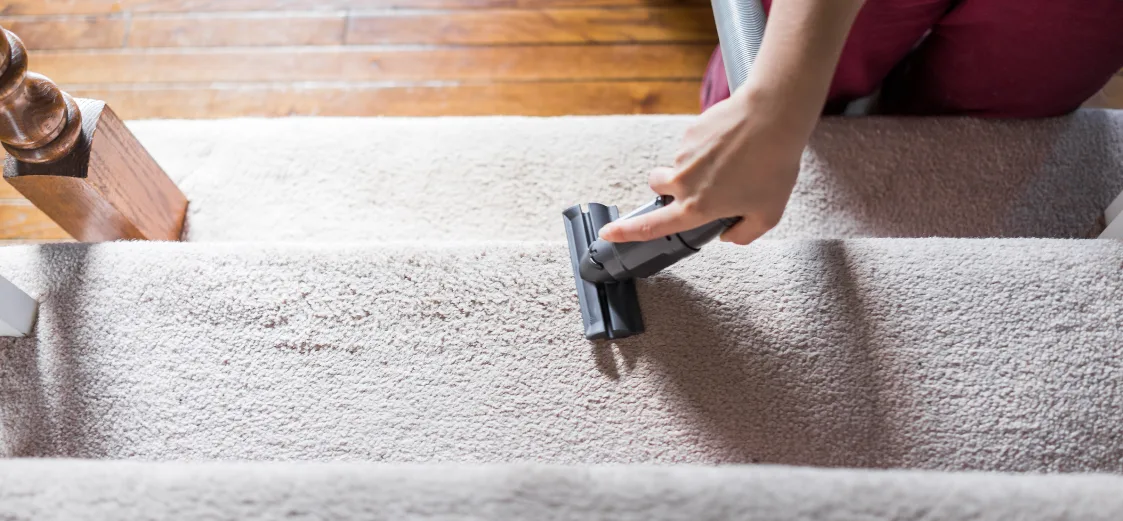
(664, 221)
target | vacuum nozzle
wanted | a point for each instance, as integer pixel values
(609, 308)
(604, 271)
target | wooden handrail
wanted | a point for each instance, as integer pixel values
(78, 162)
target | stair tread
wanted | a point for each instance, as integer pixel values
(376, 179)
(70, 489)
(992, 354)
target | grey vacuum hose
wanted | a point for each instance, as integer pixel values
(740, 29)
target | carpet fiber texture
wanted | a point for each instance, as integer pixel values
(66, 490)
(323, 179)
(378, 318)
(916, 353)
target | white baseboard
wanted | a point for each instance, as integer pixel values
(1114, 209)
(17, 310)
(1114, 230)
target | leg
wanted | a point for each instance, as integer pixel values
(715, 84)
(1011, 58)
(883, 34)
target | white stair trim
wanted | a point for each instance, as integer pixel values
(17, 310)
(1114, 209)
(1114, 228)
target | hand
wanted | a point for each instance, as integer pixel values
(740, 158)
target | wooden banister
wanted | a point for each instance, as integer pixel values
(38, 122)
(78, 162)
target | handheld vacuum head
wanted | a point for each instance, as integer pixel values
(609, 310)
(604, 271)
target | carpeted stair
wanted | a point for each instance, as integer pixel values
(377, 317)
(127, 490)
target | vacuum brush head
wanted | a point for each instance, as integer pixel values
(609, 309)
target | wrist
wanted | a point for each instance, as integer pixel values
(783, 108)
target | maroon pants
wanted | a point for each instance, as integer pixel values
(990, 58)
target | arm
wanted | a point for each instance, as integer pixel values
(741, 157)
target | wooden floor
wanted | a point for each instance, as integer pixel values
(225, 58)
(197, 58)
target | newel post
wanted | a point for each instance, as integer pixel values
(77, 162)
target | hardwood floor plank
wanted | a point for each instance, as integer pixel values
(46, 7)
(7, 191)
(237, 30)
(515, 26)
(530, 99)
(71, 32)
(24, 242)
(512, 63)
(21, 220)
(51, 7)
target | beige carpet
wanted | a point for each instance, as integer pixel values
(467, 179)
(68, 490)
(398, 292)
(936, 354)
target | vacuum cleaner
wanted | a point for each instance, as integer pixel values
(605, 271)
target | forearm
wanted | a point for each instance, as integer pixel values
(796, 63)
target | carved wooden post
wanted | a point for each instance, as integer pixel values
(76, 160)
